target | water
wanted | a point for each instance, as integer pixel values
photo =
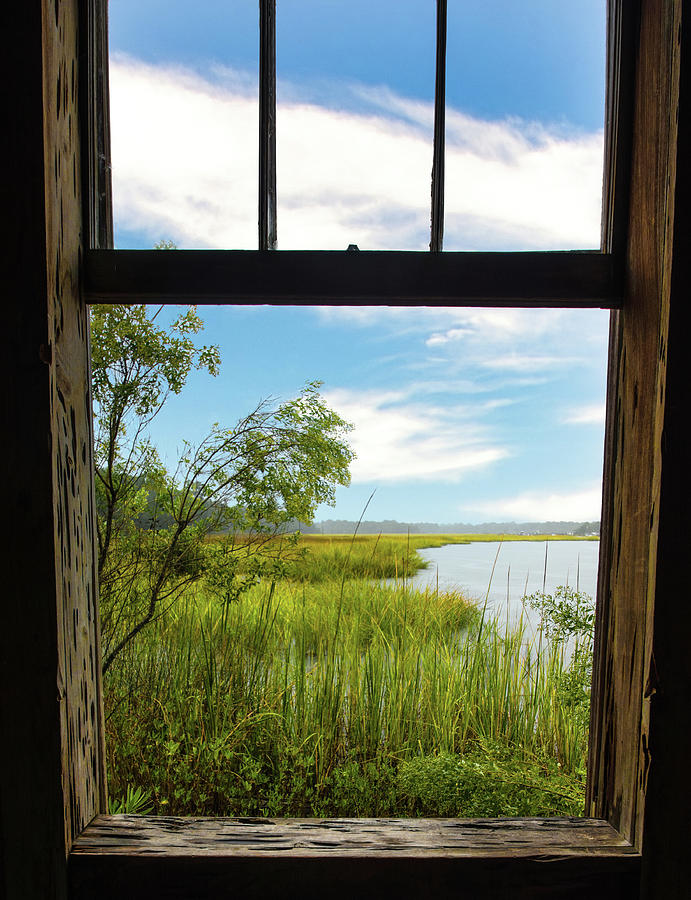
(519, 571)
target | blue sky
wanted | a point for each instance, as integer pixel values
(460, 415)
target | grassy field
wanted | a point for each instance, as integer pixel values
(328, 693)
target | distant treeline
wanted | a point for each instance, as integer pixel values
(155, 517)
(390, 526)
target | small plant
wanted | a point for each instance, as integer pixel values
(567, 619)
(135, 802)
(488, 780)
(565, 613)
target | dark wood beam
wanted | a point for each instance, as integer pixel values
(95, 133)
(625, 671)
(437, 224)
(569, 279)
(209, 859)
(623, 26)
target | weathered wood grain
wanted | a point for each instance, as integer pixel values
(95, 124)
(481, 858)
(51, 774)
(32, 833)
(78, 673)
(668, 677)
(378, 277)
(176, 836)
(624, 673)
(623, 26)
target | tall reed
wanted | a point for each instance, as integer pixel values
(273, 703)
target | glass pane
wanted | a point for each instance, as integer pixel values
(525, 93)
(524, 124)
(355, 123)
(184, 123)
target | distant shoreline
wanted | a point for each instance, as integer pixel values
(564, 529)
(440, 539)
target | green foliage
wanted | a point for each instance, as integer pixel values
(488, 780)
(136, 365)
(568, 619)
(564, 614)
(342, 697)
(135, 802)
(276, 464)
(322, 560)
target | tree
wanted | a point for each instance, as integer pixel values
(243, 483)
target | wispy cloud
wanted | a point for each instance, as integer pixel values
(578, 506)
(185, 166)
(453, 334)
(397, 439)
(586, 415)
(516, 362)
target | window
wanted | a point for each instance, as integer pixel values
(105, 860)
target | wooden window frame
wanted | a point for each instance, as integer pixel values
(86, 854)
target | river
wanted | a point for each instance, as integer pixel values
(519, 570)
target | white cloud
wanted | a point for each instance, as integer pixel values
(586, 415)
(443, 326)
(185, 167)
(520, 185)
(453, 334)
(578, 506)
(519, 362)
(397, 440)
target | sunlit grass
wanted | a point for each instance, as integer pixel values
(329, 692)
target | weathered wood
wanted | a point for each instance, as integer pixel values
(480, 858)
(668, 678)
(624, 674)
(177, 836)
(32, 832)
(623, 26)
(573, 279)
(98, 194)
(437, 218)
(267, 125)
(51, 774)
(78, 670)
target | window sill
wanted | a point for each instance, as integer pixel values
(132, 856)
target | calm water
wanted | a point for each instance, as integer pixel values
(519, 570)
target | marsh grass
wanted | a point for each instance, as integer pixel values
(328, 692)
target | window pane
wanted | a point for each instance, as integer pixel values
(355, 123)
(524, 125)
(184, 123)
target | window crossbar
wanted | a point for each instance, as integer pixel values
(572, 279)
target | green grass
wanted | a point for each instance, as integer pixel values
(329, 693)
